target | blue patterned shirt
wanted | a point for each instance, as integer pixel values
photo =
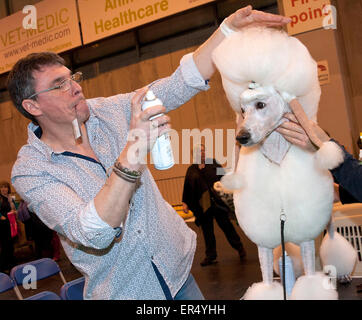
(60, 188)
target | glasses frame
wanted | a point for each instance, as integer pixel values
(73, 77)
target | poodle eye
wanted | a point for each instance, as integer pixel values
(260, 105)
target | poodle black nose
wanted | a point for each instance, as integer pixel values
(243, 137)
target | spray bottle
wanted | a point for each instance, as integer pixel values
(162, 151)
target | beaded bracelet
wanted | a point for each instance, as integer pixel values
(225, 29)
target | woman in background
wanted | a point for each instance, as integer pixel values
(7, 259)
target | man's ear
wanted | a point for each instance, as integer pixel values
(31, 107)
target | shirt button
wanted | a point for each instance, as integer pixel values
(139, 231)
(151, 257)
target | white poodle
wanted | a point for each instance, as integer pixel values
(262, 70)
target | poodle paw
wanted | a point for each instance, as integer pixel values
(264, 291)
(314, 287)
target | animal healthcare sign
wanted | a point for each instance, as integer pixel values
(308, 15)
(55, 28)
(103, 18)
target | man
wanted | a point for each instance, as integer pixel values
(114, 225)
(201, 198)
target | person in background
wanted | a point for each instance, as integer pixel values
(348, 174)
(81, 171)
(7, 205)
(200, 196)
(343, 195)
(47, 243)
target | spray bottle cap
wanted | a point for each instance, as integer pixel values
(150, 95)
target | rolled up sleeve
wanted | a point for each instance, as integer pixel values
(62, 210)
(191, 73)
(181, 86)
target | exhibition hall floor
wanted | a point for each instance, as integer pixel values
(228, 279)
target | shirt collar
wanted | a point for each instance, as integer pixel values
(35, 133)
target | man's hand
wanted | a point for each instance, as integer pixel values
(246, 17)
(241, 18)
(293, 132)
(144, 131)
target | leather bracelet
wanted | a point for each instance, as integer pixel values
(120, 174)
(128, 172)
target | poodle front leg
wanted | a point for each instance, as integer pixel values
(307, 250)
(267, 289)
(266, 264)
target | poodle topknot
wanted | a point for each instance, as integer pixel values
(268, 57)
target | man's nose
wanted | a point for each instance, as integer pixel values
(243, 136)
(75, 87)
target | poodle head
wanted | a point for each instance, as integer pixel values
(270, 58)
(262, 109)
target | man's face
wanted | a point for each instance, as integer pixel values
(57, 107)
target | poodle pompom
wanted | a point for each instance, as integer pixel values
(232, 181)
(314, 287)
(329, 156)
(264, 291)
(338, 252)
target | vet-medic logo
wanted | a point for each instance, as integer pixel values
(45, 26)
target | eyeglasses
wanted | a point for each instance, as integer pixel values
(64, 85)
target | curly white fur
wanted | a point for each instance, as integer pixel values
(268, 57)
(264, 291)
(337, 252)
(329, 156)
(297, 187)
(314, 287)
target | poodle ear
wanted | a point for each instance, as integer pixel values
(329, 156)
(232, 181)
